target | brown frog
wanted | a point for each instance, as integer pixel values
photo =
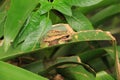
(54, 37)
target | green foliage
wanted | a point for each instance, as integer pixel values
(25, 24)
(103, 76)
(17, 74)
(16, 21)
(78, 21)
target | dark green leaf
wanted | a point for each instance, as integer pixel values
(91, 54)
(35, 67)
(71, 49)
(68, 59)
(76, 73)
(111, 52)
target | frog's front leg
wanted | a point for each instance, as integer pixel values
(64, 39)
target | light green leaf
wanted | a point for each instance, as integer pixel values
(2, 22)
(33, 40)
(3, 13)
(79, 22)
(32, 25)
(83, 3)
(63, 7)
(45, 6)
(10, 72)
(102, 4)
(21, 10)
(105, 13)
(103, 76)
(96, 35)
(90, 35)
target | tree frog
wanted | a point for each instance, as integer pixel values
(54, 37)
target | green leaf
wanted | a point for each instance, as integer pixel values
(103, 76)
(45, 7)
(17, 73)
(91, 54)
(68, 59)
(76, 73)
(2, 22)
(71, 49)
(79, 22)
(3, 13)
(10, 53)
(55, 18)
(102, 4)
(21, 10)
(90, 35)
(31, 26)
(96, 35)
(63, 7)
(105, 13)
(35, 67)
(33, 40)
(110, 51)
(83, 3)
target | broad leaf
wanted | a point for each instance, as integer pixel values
(35, 67)
(21, 10)
(63, 7)
(32, 25)
(3, 13)
(103, 76)
(103, 3)
(111, 52)
(71, 49)
(105, 13)
(79, 22)
(96, 35)
(32, 41)
(45, 6)
(2, 22)
(91, 54)
(10, 72)
(83, 3)
(80, 37)
(76, 73)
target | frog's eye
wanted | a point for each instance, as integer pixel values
(68, 36)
